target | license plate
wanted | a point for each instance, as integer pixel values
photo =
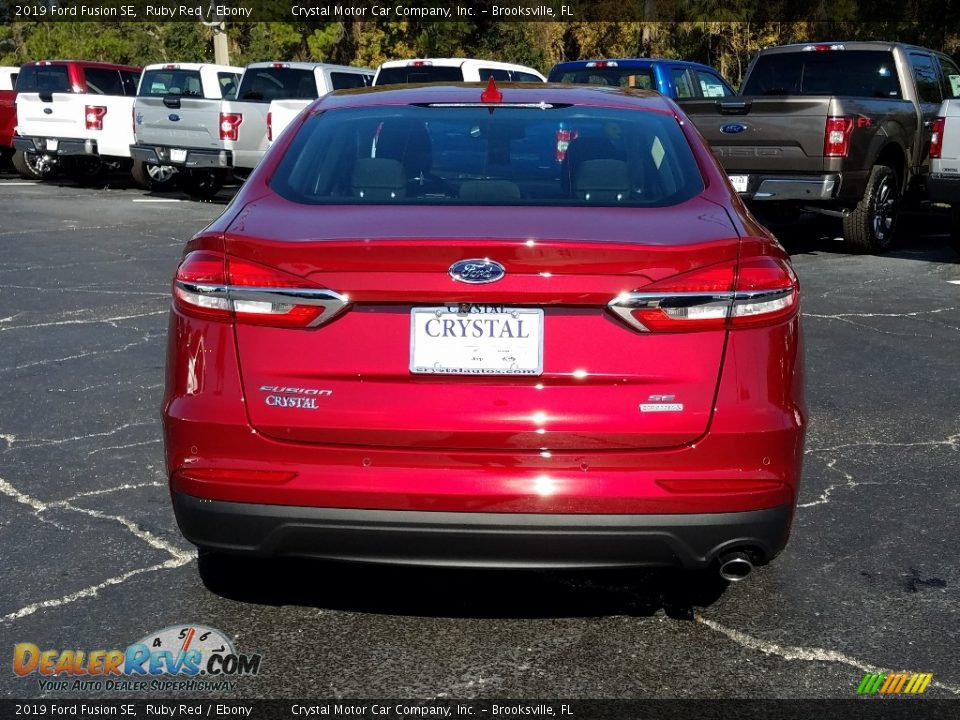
(53, 144)
(476, 340)
(178, 156)
(739, 182)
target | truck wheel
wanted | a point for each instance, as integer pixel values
(158, 178)
(203, 184)
(869, 228)
(30, 166)
(87, 170)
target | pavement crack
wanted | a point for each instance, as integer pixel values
(112, 321)
(918, 315)
(808, 654)
(951, 441)
(91, 353)
(849, 482)
(46, 442)
(118, 488)
(123, 447)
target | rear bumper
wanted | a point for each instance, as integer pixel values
(509, 540)
(63, 146)
(194, 158)
(829, 188)
(943, 188)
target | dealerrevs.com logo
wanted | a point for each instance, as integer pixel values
(179, 657)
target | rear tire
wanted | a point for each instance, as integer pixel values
(157, 178)
(202, 184)
(28, 165)
(870, 227)
(87, 170)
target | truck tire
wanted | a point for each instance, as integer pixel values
(202, 184)
(156, 178)
(870, 227)
(87, 170)
(28, 165)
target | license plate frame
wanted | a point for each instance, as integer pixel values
(434, 353)
(178, 155)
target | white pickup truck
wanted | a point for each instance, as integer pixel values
(75, 116)
(943, 182)
(182, 131)
(432, 70)
(273, 93)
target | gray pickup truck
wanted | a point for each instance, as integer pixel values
(839, 128)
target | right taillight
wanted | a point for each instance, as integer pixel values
(836, 136)
(765, 291)
(230, 126)
(270, 126)
(93, 115)
(214, 286)
(936, 139)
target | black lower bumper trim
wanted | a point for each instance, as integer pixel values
(944, 188)
(508, 540)
(192, 157)
(64, 146)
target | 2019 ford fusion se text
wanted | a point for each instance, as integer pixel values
(528, 326)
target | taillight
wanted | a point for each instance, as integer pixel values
(94, 116)
(270, 126)
(936, 139)
(836, 136)
(766, 291)
(230, 126)
(220, 287)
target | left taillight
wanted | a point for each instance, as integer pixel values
(936, 138)
(836, 136)
(94, 114)
(762, 291)
(270, 126)
(224, 288)
(230, 126)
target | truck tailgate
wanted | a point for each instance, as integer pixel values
(60, 116)
(195, 124)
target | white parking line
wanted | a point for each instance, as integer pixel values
(954, 282)
(156, 200)
(10, 184)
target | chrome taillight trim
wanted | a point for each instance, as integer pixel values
(625, 303)
(332, 302)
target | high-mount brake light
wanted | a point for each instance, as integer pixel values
(491, 94)
(215, 286)
(603, 64)
(936, 138)
(419, 63)
(823, 47)
(766, 291)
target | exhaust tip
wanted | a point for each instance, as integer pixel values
(735, 567)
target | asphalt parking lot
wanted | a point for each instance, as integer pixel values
(92, 557)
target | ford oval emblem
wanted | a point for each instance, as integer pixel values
(733, 128)
(48, 111)
(173, 117)
(477, 271)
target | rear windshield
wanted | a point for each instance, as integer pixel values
(559, 156)
(44, 78)
(611, 76)
(850, 73)
(419, 74)
(171, 82)
(267, 83)
(346, 80)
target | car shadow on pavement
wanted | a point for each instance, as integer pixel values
(459, 593)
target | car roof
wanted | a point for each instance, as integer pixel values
(298, 65)
(527, 92)
(84, 63)
(454, 62)
(628, 62)
(193, 66)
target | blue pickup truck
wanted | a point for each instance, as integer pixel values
(678, 79)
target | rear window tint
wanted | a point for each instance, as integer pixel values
(419, 74)
(171, 82)
(614, 77)
(101, 81)
(45, 78)
(267, 84)
(345, 80)
(229, 84)
(564, 156)
(852, 73)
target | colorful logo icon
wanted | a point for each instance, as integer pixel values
(894, 683)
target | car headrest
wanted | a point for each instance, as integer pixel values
(602, 181)
(378, 179)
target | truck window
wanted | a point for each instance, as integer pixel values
(950, 76)
(852, 73)
(519, 76)
(711, 85)
(164, 81)
(265, 84)
(641, 78)
(49, 78)
(229, 84)
(103, 82)
(130, 80)
(682, 82)
(925, 76)
(345, 80)
(419, 74)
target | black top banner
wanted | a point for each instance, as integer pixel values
(247, 11)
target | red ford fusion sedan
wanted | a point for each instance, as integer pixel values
(529, 326)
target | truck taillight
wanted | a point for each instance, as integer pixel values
(936, 139)
(230, 126)
(93, 114)
(215, 286)
(836, 136)
(766, 291)
(270, 126)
